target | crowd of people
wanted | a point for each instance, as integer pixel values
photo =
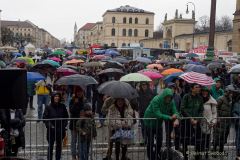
(191, 114)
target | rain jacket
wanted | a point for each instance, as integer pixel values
(160, 110)
(192, 106)
(216, 93)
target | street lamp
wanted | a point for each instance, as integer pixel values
(193, 17)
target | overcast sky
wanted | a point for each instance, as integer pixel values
(58, 16)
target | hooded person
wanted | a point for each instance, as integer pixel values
(55, 128)
(161, 108)
(216, 89)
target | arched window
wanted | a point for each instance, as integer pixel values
(130, 20)
(130, 32)
(136, 20)
(113, 19)
(124, 32)
(113, 32)
(124, 20)
(147, 21)
(123, 44)
(135, 32)
(146, 33)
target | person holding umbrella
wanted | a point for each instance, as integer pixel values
(163, 108)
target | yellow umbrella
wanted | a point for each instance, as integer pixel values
(27, 59)
(74, 61)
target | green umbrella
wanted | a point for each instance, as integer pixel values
(51, 62)
(135, 77)
(58, 52)
(2, 64)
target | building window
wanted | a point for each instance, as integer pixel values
(147, 21)
(130, 32)
(124, 45)
(135, 32)
(124, 20)
(130, 20)
(28, 29)
(136, 20)
(113, 32)
(28, 34)
(113, 19)
(146, 33)
(124, 32)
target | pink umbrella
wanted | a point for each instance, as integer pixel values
(68, 52)
(66, 71)
(56, 59)
(152, 75)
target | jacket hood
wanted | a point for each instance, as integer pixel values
(211, 101)
(166, 92)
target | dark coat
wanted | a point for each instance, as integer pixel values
(74, 110)
(144, 100)
(56, 111)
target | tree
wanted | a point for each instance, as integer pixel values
(159, 32)
(7, 36)
(224, 24)
(203, 24)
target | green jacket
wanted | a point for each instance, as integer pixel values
(192, 106)
(216, 93)
(159, 109)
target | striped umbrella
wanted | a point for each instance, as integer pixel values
(199, 78)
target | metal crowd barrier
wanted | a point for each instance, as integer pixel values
(176, 143)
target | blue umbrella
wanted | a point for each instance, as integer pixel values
(171, 77)
(198, 69)
(99, 51)
(17, 55)
(143, 60)
(111, 52)
(34, 76)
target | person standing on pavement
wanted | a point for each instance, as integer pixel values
(42, 90)
(191, 107)
(55, 128)
(75, 107)
(30, 93)
(163, 108)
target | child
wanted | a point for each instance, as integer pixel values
(86, 128)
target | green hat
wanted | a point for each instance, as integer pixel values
(205, 89)
(217, 79)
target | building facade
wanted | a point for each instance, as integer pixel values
(29, 31)
(236, 28)
(120, 27)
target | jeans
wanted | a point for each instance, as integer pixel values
(75, 143)
(42, 100)
(84, 150)
(52, 137)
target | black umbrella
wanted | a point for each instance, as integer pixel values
(113, 64)
(40, 67)
(111, 71)
(214, 65)
(69, 66)
(117, 89)
(76, 80)
(92, 64)
(121, 60)
(198, 69)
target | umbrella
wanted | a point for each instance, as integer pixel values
(76, 80)
(40, 67)
(58, 52)
(99, 51)
(117, 89)
(93, 64)
(17, 54)
(74, 61)
(171, 71)
(235, 71)
(68, 52)
(69, 66)
(198, 69)
(51, 62)
(113, 64)
(175, 63)
(66, 71)
(152, 75)
(111, 71)
(191, 55)
(148, 70)
(27, 59)
(236, 66)
(153, 66)
(171, 77)
(2, 64)
(199, 78)
(214, 65)
(76, 57)
(101, 57)
(196, 63)
(135, 77)
(56, 59)
(143, 60)
(121, 60)
(34, 76)
(111, 52)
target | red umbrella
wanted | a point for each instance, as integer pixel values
(66, 71)
(199, 78)
(152, 75)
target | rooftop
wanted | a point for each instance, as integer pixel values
(21, 24)
(129, 9)
(88, 26)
